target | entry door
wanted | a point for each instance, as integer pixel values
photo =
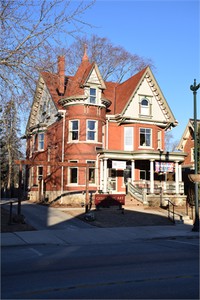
(112, 180)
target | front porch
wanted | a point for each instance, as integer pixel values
(163, 191)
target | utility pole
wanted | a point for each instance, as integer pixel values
(194, 88)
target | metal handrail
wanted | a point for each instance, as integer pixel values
(169, 211)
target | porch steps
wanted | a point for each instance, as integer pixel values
(180, 216)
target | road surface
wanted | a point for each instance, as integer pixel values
(145, 269)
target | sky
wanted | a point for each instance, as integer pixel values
(167, 32)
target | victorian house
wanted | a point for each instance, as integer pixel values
(116, 129)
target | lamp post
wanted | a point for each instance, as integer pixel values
(194, 88)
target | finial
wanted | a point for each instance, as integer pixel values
(85, 57)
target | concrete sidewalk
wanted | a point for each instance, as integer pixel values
(84, 236)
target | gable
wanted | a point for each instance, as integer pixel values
(94, 77)
(139, 87)
(43, 109)
(187, 134)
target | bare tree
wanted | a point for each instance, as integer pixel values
(170, 143)
(10, 146)
(28, 28)
(114, 62)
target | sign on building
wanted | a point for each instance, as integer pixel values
(164, 167)
(118, 164)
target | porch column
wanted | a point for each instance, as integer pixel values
(101, 175)
(132, 170)
(105, 175)
(177, 177)
(151, 176)
(180, 173)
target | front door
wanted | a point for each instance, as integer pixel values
(112, 181)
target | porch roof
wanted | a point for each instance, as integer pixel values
(142, 155)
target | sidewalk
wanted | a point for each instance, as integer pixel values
(78, 236)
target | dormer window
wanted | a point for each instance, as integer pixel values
(93, 97)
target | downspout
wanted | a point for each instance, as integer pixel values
(63, 114)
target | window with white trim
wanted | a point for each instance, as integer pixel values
(159, 139)
(192, 154)
(74, 130)
(91, 175)
(145, 137)
(145, 107)
(40, 173)
(91, 130)
(73, 173)
(40, 141)
(93, 96)
(128, 138)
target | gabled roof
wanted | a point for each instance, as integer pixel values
(118, 95)
(125, 90)
(189, 130)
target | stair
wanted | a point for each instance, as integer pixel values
(180, 217)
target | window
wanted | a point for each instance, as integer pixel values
(145, 107)
(128, 138)
(159, 137)
(91, 174)
(41, 141)
(74, 130)
(145, 137)
(40, 173)
(73, 173)
(192, 154)
(91, 130)
(92, 98)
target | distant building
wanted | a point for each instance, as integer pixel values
(118, 128)
(186, 145)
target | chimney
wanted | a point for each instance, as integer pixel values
(61, 74)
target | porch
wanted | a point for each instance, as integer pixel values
(163, 191)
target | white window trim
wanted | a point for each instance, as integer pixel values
(126, 146)
(96, 131)
(92, 161)
(192, 154)
(39, 140)
(70, 131)
(69, 175)
(98, 94)
(144, 146)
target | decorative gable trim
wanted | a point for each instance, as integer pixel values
(100, 81)
(34, 117)
(157, 94)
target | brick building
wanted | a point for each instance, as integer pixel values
(118, 129)
(186, 145)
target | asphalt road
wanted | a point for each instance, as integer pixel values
(153, 269)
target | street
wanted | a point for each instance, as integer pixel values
(141, 269)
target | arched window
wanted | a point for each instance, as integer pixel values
(144, 109)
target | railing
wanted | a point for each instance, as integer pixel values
(168, 187)
(171, 212)
(136, 192)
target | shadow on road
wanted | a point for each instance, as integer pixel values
(46, 217)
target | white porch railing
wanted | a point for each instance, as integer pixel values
(167, 187)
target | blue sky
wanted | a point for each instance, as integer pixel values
(168, 32)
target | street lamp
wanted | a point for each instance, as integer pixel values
(194, 88)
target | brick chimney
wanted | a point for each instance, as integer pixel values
(61, 74)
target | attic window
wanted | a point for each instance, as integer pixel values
(145, 107)
(92, 98)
